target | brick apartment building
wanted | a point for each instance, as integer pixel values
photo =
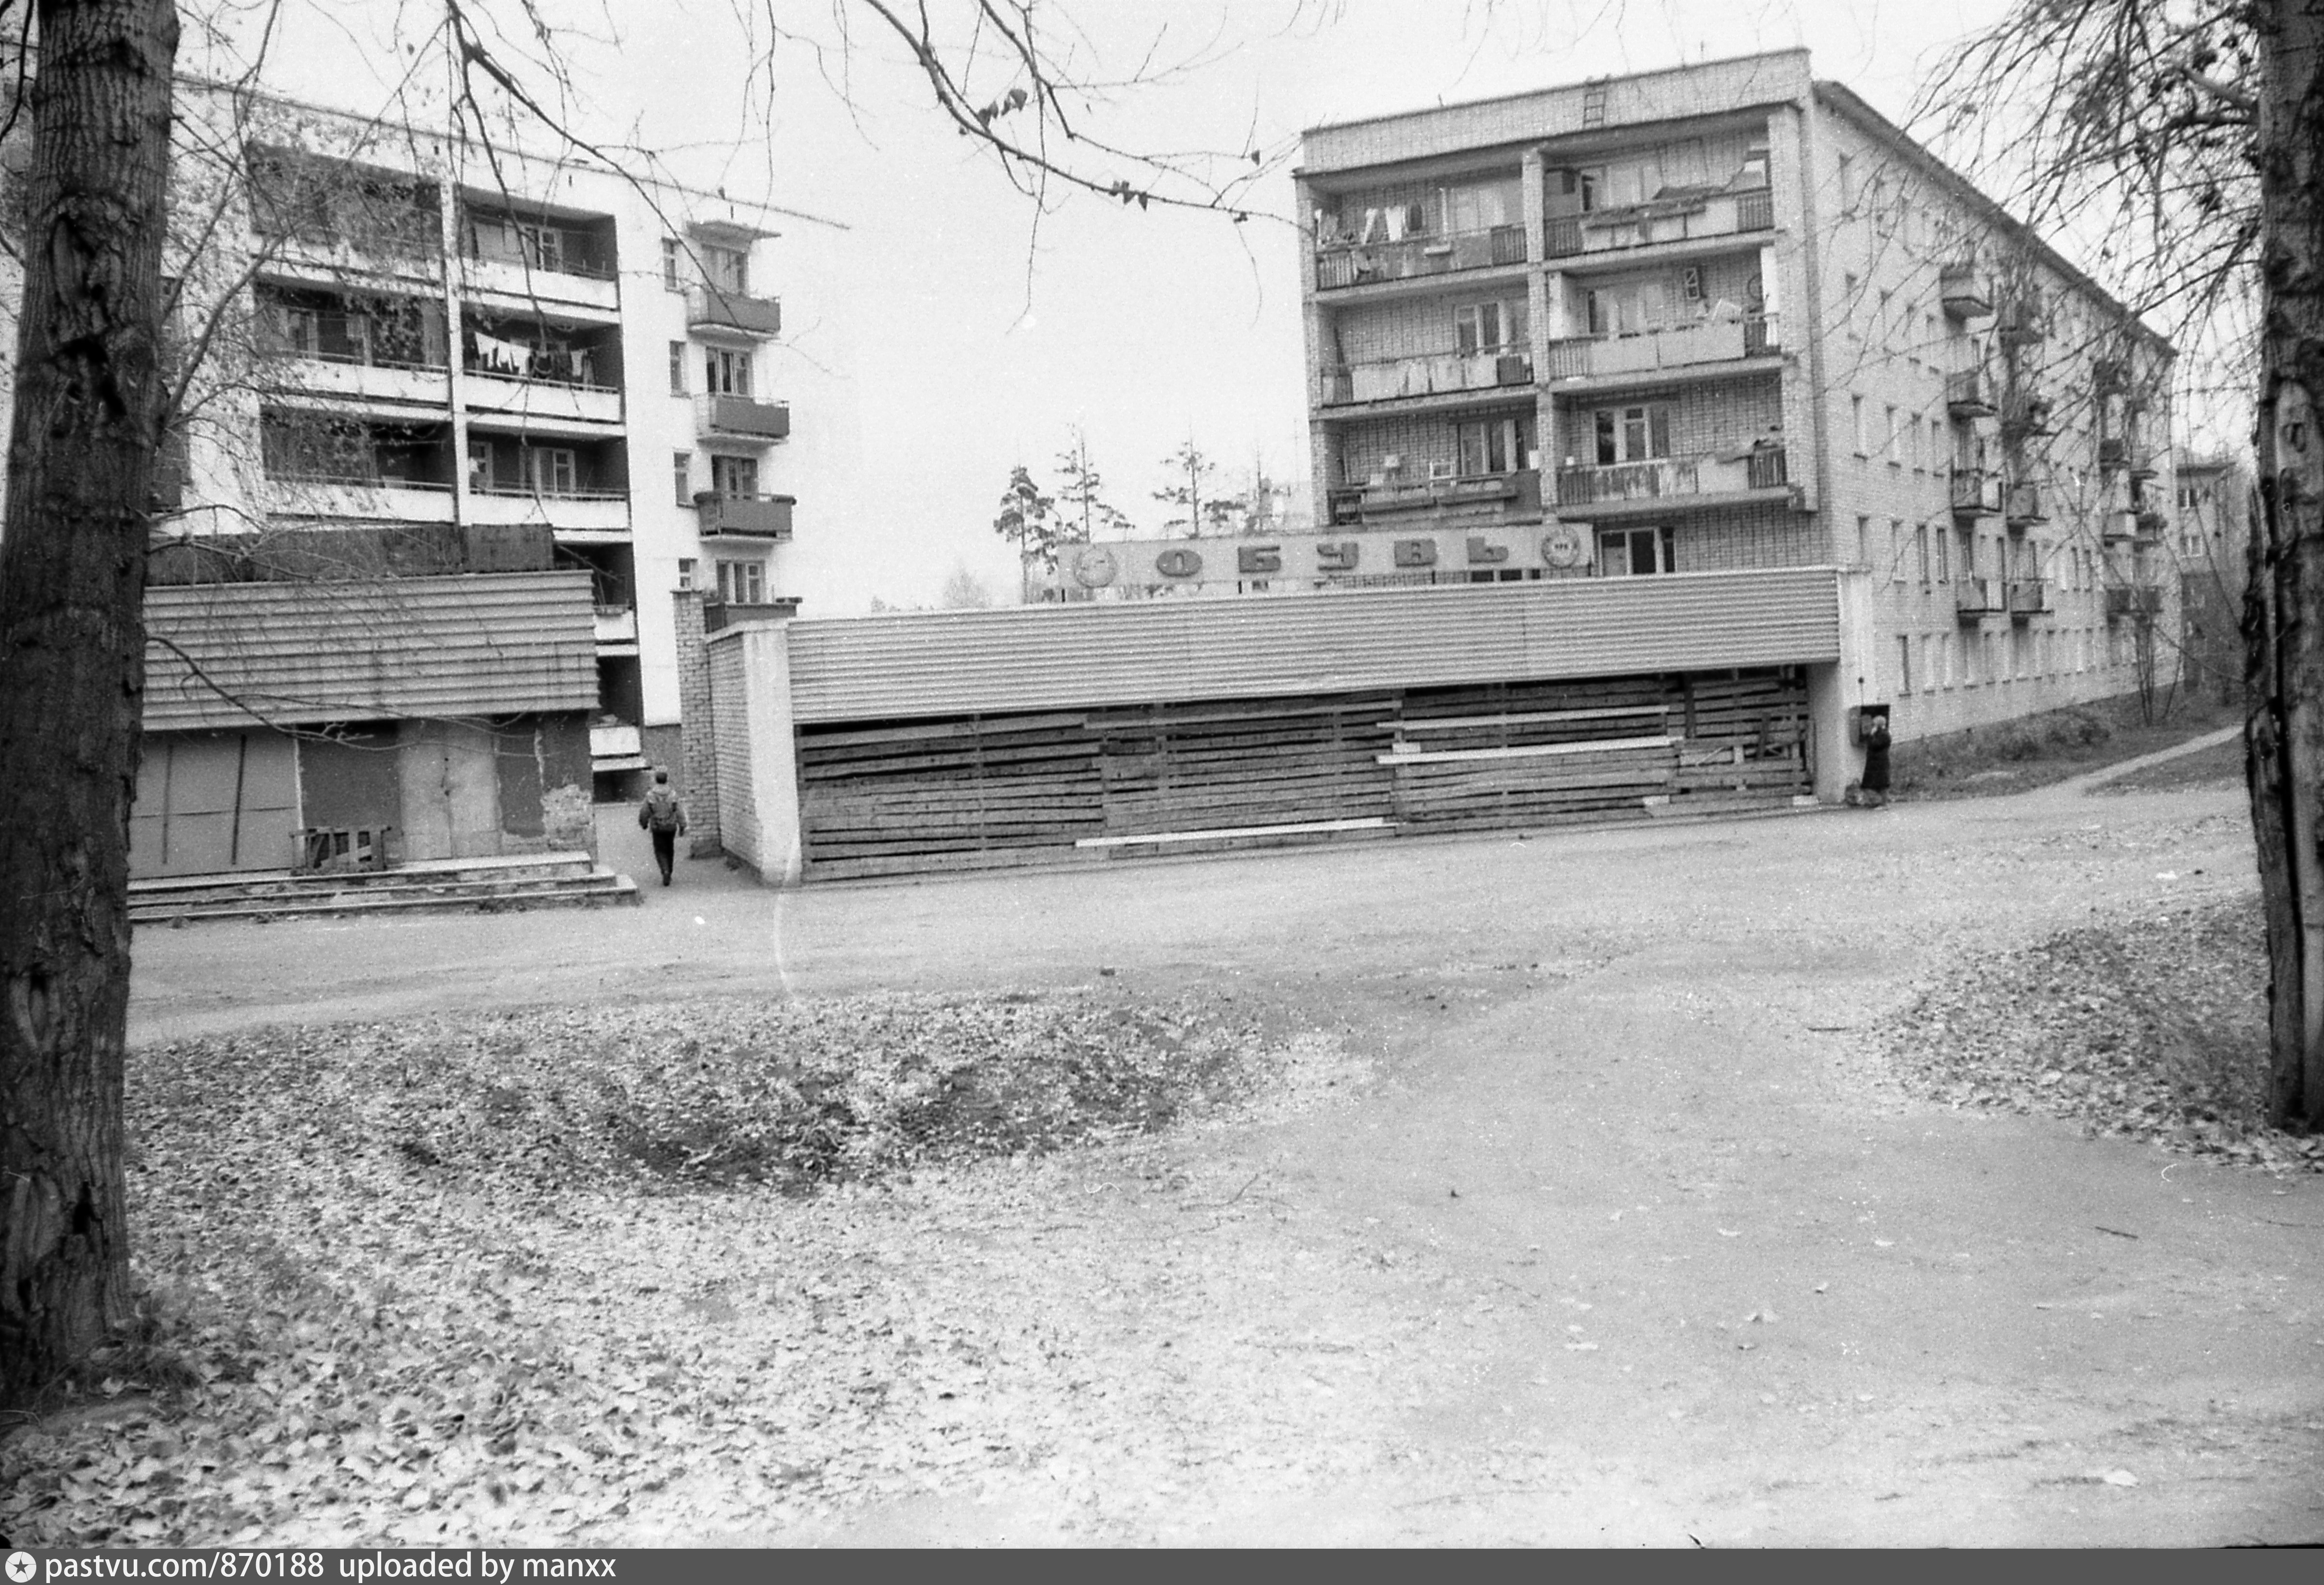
(1728, 317)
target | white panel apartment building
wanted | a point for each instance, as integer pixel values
(1725, 317)
(459, 422)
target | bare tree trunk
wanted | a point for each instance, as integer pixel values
(72, 573)
(2285, 610)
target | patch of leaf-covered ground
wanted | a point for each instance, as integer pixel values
(657, 1273)
(2151, 1027)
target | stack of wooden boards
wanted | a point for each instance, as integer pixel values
(901, 797)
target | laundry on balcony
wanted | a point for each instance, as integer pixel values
(501, 358)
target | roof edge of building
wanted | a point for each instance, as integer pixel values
(1557, 87)
(1846, 101)
(567, 161)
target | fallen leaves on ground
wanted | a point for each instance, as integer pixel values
(611, 1275)
(2152, 1027)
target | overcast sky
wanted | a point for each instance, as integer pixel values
(975, 344)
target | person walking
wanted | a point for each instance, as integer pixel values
(663, 817)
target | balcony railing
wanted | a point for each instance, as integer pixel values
(2025, 503)
(1962, 292)
(2028, 596)
(1674, 219)
(1344, 263)
(1711, 474)
(517, 490)
(1975, 597)
(2134, 600)
(708, 308)
(1975, 492)
(617, 624)
(1430, 375)
(2024, 318)
(2027, 414)
(718, 615)
(1968, 395)
(1507, 497)
(754, 517)
(741, 418)
(1710, 341)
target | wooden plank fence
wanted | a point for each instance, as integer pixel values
(900, 797)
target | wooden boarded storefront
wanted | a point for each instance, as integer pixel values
(958, 741)
(897, 797)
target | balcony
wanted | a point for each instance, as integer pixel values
(1679, 347)
(1975, 493)
(2024, 320)
(2025, 503)
(1707, 479)
(1481, 497)
(2025, 415)
(1979, 597)
(379, 498)
(618, 740)
(750, 517)
(1432, 374)
(1969, 395)
(616, 625)
(2028, 596)
(600, 512)
(1962, 292)
(733, 313)
(1343, 263)
(740, 418)
(2109, 375)
(2134, 600)
(357, 376)
(1660, 220)
(540, 396)
(718, 615)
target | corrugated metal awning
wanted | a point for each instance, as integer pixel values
(304, 653)
(964, 662)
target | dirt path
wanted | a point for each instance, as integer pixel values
(1626, 1238)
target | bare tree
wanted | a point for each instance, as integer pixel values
(88, 413)
(1190, 490)
(2187, 142)
(1081, 493)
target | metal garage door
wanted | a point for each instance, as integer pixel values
(212, 802)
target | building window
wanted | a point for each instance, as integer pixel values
(734, 476)
(685, 572)
(681, 475)
(553, 470)
(1494, 446)
(1944, 554)
(673, 259)
(1921, 551)
(1847, 184)
(1904, 664)
(1896, 549)
(743, 583)
(1893, 449)
(678, 368)
(480, 464)
(726, 371)
(1632, 434)
(1628, 552)
(1485, 328)
(1864, 541)
(1856, 417)
(727, 269)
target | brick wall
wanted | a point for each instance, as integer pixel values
(697, 773)
(1767, 535)
(730, 770)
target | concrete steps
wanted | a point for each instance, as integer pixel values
(525, 881)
